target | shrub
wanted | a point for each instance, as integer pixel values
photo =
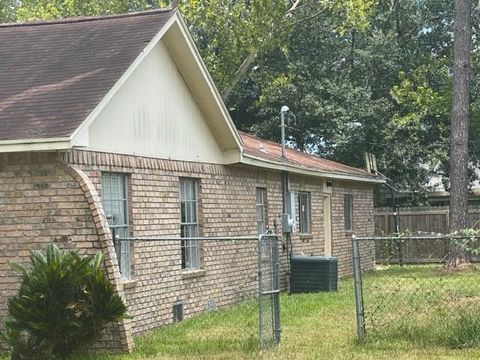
(63, 304)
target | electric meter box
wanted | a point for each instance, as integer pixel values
(288, 219)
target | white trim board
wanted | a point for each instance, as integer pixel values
(7, 146)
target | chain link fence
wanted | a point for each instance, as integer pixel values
(205, 292)
(269, 291)
(422, 289)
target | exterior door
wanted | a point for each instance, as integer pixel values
(327, 224)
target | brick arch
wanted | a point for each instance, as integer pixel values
(107, 246)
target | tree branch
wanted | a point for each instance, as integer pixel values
(241, 71)
(243, 68)
(294, 6)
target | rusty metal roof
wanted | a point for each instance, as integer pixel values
(54, 73)
(272, 152)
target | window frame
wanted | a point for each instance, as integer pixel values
(122, 249)
(262, 206)
(305, 226)
(190, 249)
(348, 212)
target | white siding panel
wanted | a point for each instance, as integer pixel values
(154, 114)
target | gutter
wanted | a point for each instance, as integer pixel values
(274, 165)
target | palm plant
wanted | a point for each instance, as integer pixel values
(63, 304)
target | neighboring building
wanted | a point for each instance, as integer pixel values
(438, 195)
(113, 125)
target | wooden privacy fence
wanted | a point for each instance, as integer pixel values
(421, 219)
(415, 220)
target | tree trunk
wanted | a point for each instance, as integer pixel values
(459, 126)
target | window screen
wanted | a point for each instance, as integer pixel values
(261, 208)
(304, 212)
(348, 212)
(189, 223)
(114, 200)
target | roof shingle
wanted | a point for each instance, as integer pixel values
(53, 74)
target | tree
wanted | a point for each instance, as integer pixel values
(354, 13)
(230, 34)
(338, 81)
(28, 10)
(7, 10)
(460, 116)
(383, 88)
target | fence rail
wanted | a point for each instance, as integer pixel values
(421, 219)
(199, 238)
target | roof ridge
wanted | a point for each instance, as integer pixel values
(81, 19)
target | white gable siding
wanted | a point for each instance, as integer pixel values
(154, 114)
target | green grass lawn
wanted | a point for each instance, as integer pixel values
(314, 326)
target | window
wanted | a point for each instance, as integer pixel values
(114, 200)
(304, 212)
(261, 206)
(189, 223)
(348, 212)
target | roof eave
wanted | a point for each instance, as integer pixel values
(274, 165)
(22, 145)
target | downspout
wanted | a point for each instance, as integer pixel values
(288, 240)
(285, 190)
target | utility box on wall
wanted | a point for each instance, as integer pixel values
(288, 218)
(313, 274)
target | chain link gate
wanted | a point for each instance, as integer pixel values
(258, 309)
(268, 290)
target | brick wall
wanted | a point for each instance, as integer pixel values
(227, 208)
(40, 202)
(363, 224)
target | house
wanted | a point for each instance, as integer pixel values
(112, 125)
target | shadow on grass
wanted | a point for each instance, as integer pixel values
(219, 332)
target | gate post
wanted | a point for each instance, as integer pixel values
(276, 286)
(260, 312)
(268, 290)
(357, 278)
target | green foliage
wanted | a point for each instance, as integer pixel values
(466, 242)
(54, 9)
(352, 14)
(63, 304)
(226, 32)
(7, 10)
(380, 83)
